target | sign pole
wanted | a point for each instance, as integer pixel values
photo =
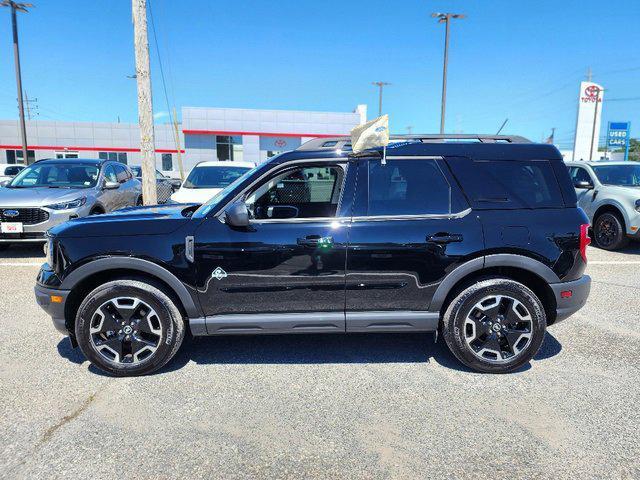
(628, 141)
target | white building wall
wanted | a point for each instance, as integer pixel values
(282, 130)
(251, 148)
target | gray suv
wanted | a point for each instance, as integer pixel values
(50, 192)
(609, 193)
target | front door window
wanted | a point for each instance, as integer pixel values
(301, 192)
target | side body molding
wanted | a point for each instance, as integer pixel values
(132, 263)
(488, 261)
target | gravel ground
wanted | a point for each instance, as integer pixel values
(359, 406)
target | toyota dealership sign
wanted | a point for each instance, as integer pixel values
(590, 100)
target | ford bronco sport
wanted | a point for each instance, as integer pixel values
(479, 239)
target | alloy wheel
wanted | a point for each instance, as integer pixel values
(607, 232)
(498, 328)
(125, 330)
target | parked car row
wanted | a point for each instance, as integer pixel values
(609, 193)
(50, 192)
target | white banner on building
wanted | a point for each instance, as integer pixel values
(589, 112)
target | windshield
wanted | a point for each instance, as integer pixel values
(57, 175)
(621, 175)
(137, 171)
(213, 177)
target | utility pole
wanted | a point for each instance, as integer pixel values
(177, 134)
(593, 129)
(145, 103)
(446, 19)
(20, 7)
(380, 85)
(28, 101)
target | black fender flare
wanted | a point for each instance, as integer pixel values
(132, 263)
(488, 261)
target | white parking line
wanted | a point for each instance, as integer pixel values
(613, 262)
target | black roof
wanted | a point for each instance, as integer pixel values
(517, 148)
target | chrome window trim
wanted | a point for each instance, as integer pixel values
(412, 157)
(433, 216)
(343, 162)
(373, 218)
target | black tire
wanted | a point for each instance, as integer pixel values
(139, 202)
(609, 232)
(164, 317)
(465, 325)
(96, 211)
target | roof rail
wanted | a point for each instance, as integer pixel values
(340, 142)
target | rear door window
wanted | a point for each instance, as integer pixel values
(408, 187)
(508, 184)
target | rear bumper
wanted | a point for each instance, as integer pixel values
(54, 309)
(568, 305)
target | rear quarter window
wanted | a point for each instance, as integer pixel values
(508, 184)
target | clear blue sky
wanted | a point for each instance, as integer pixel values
(521, 60)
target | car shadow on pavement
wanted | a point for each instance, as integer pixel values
(315, 349)
(319, 349)
(633, 248)
(23, 251)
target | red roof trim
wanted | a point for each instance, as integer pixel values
(260, 134)
(83, 149)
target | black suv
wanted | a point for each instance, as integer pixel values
(479, 239)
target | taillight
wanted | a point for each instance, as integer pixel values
(584, 240)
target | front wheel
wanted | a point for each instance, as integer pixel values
(609, 232)
(495, 326)
(129, 327)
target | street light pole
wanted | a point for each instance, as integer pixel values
(22, 7)
(380, 85)
(445, 18)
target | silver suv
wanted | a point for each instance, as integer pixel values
(50, 192)
(609, 193)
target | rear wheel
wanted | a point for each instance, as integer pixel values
(609, 232)
(495, 326)
(139, 202)
(96, 211)
(129, 327)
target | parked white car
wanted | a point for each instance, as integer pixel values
(8, 171)
(206, 179)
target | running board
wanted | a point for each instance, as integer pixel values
(315, 322)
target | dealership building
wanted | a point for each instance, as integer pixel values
(224, 134)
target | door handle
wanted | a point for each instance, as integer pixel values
(315, 241)
(442, 238)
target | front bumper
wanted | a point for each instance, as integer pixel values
(54, 309)
(568, 304)
(35, 232)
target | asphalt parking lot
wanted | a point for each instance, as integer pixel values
(360, 406)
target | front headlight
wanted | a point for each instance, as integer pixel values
(637, 205)
(48, 251)
(68, 205)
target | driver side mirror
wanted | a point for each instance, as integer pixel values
(583, 184)
(111, 185)
(237, 215)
